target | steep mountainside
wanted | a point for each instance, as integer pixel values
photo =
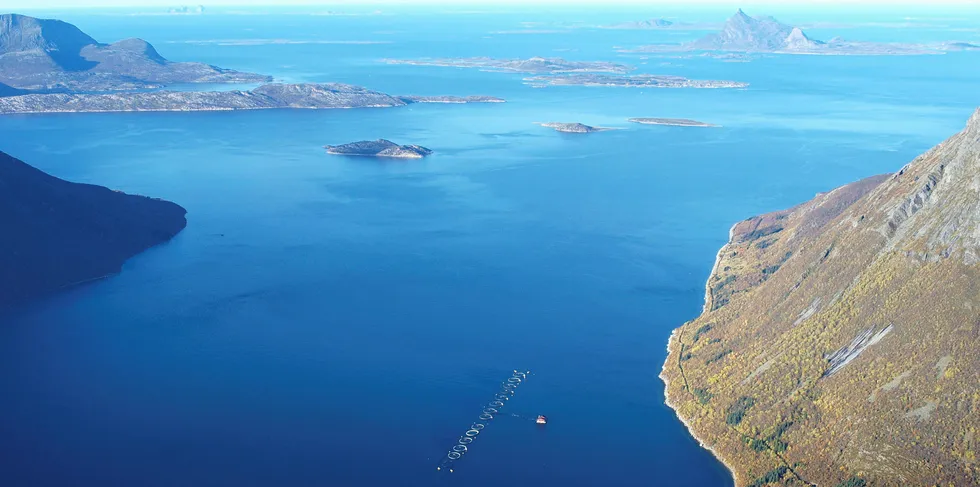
(57, 233)
(840, 339)
(53, 55)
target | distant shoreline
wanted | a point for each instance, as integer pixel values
(309, 96)
(675, 122)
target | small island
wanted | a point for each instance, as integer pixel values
(677, 122)
(379, 148)
(573, 128)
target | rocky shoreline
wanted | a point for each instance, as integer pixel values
(690, 430)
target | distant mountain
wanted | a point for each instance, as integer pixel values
(56, 233)
(839, 343)
(54, 55)
(744, 33)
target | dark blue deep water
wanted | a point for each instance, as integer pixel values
(335, 321)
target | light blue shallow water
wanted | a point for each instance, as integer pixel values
(335, 321)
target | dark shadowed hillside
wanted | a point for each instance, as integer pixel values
(56, 233)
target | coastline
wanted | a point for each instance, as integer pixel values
(714, 270)
(683, 420)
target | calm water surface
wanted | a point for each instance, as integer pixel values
(337, 321)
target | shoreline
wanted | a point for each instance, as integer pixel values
(714, 270)
(684, 421)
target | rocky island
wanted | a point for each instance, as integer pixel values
(379, 148)
(573, 128)
(629, 81)
(265, 97)
(838, 344)
(534, 65)
(743, 33)
(678, 122)
(51, 55)
(57, 234)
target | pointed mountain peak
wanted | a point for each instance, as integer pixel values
(798, 33)
(741, 15)
(974, 124)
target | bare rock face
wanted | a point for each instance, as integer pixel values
(815, 359)
(379, 148)
(57, 234)
(41, 54)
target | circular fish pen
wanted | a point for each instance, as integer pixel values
(487, 413)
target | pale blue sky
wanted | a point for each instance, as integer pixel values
(35, 4)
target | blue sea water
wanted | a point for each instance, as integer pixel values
(336, 321)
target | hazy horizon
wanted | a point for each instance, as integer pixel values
(848, 4)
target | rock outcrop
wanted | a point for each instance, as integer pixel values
(815, 359)
(57, 234)
(51, 55)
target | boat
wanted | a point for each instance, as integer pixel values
(542, 419)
